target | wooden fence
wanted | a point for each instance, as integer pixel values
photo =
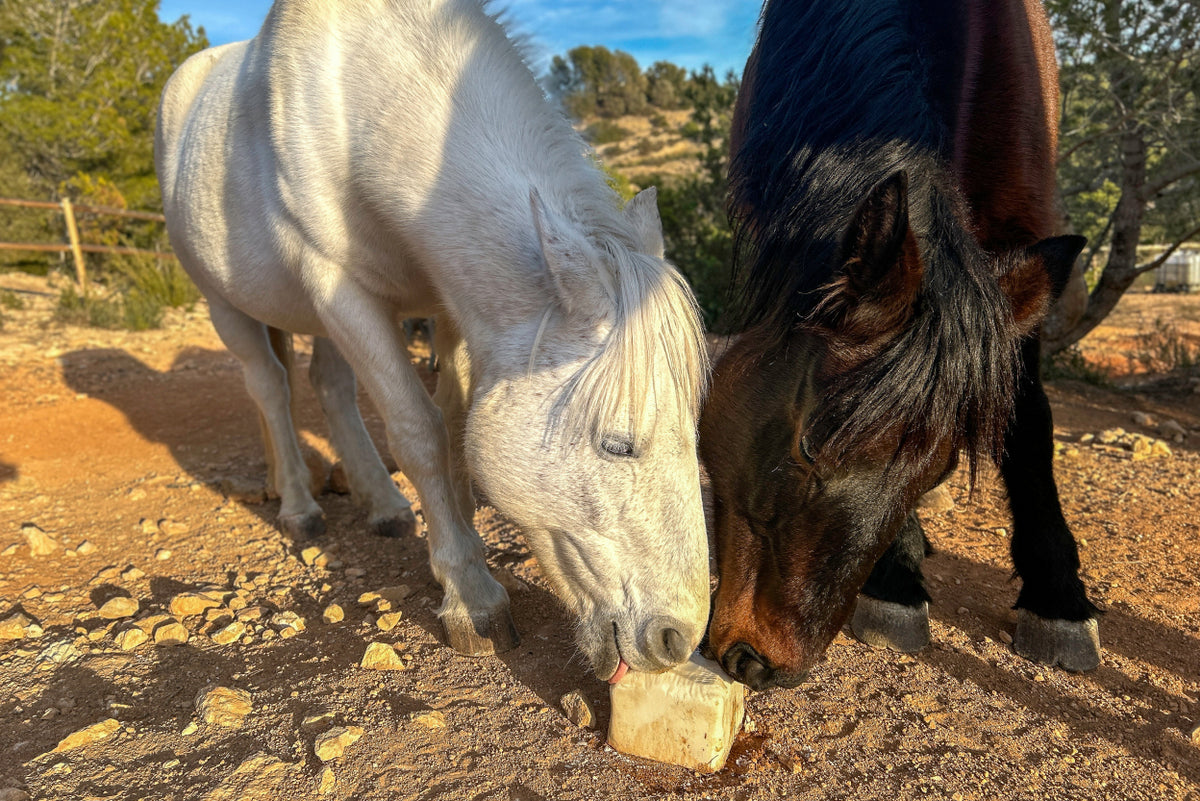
(73, 245)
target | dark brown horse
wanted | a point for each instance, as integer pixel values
(892, 187)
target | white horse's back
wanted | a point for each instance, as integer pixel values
(365, 160)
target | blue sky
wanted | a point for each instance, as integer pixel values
(687, 32)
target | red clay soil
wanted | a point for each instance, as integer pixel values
(141, 450)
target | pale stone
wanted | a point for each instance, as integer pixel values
(388, 620)
(260, 778)
(13, 794)
(172, 633)
(381, 656)
(118, 607)
(688, 716)
(333, 743)
(433, 719)
(328, 782)
(311, 555)
(1143, 419)
(130, 638)
(333, 614)
(1195, 735)
(937, 500)
(40, 543)
(91, 734)
(172, 527)
(578, 709)
(223, 706)
(230, 633)
(148, 526)
(384, 598)
(162, 554)
(282, 621)
(16, 626)
(312, 723)
(186, 604)
(85, 548)
(132, 573)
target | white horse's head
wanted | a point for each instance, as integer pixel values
(608, 490)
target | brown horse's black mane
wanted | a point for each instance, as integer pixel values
(839, 102)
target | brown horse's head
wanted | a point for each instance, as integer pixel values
(820, 432)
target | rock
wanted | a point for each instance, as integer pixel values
(433, 719)
(1195, 735)
(1143, 419)
(230, 633)
(86, 736)
(388, 620)
(148, 526)
(260, 778)
(328, 782)
(13, 794)
(381, 656)
(1171, 428)
(171, 633)
(937, 500)
(1005, 637)
(85, 548)
(40, 543)
(17, 626)
(132, 573)
(130, 638)
(333, 614)
(223, 706)
(162, 554)
(578, 709)
(172, 528)
(187, 604)
(284, 621)
(333, 743)
(687, 716)
(189, 729)
(314, 556)
(384, 598)
(119, 607)
(316, 722)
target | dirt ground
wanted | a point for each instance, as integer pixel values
(132, 462)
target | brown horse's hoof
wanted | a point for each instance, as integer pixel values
(481, 634)
(1072, 644)
(883, 624)
(303, 527)
(402, 525)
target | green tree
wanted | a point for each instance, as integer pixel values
(665, 85)
(1129, 163)
(79, 85)
(595, 81)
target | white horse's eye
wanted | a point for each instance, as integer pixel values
(617, 446)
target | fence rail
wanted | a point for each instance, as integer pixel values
(75, 247)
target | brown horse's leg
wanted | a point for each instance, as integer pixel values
(893, 608)
(1056, 622)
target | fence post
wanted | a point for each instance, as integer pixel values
(76, 251)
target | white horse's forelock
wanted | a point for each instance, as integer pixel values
(655, 314)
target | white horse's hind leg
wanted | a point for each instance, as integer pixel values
(390, 512)
(475, 609)
(268, 385)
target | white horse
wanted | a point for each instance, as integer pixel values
(360, 161)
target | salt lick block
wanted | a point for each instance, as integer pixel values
(688, 716)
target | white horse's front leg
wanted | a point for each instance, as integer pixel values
(390, 512)
(475, 609)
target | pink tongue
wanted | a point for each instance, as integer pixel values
(622, 669)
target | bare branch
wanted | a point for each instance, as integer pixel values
(1181, 171)
(1166, 254)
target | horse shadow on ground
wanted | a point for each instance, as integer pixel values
(986, 593)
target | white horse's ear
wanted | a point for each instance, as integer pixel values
(570, 260)
(642, 211)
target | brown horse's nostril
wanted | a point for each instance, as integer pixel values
(746, 665)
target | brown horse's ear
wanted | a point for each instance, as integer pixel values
(1036, 277)
(880, 266)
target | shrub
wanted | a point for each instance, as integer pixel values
(11, 300)
(1164, 350)
(1070, 363)
(604, 132)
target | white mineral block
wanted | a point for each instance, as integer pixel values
(687, 716)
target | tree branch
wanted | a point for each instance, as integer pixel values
(1166, 254)
(1151, 188)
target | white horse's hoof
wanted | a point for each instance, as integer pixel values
(883, 624)
(403, 524)
(1072, 644)
(482, 633)
(303, 526)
